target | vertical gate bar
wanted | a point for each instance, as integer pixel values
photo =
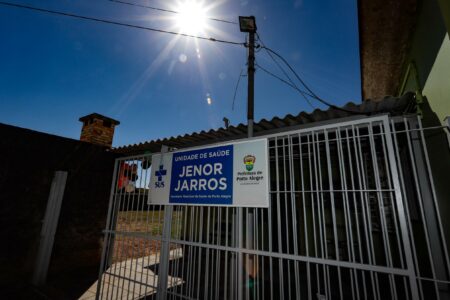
(294, 215)
(367, 216)
(140, 211)
(407, 214)
(389, 183)
(234, 273)
(433, 190)
(269, 221)
(215, 253)
(391, 197)
(365, 210)
(308, 271)
(420, 200)
(381, 206)
(130, 210)
(313, 178)
(124, 263)
(206, 282)
(163, 270)
(180, 265)
(183, 259)
(164, 257)
(174, 234)
(286, 213)
(400, 209)
(113, 228)
(322, 217)
(199, 263)
(234, 258)
(257, 257)
(247, 257)
(347, 215)
(355, 205)
(212, 255)
(333, 211)
(240, 262)
(120, 285)
(217, 261)
(226, 252)
(191, 251)
(145, 209)
(133, 200)
(195, 233)
(106, 239)
(212, 251)
(280, 246)
(154, 284)
(262, 249)
(120, 249)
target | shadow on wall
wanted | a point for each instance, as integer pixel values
(28, 160)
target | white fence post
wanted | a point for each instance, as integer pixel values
(50, 223)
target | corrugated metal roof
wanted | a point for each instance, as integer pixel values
(389, 104)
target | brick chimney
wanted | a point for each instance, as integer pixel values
(98, 129)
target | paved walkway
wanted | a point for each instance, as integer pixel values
(132, 279)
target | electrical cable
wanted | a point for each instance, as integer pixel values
(275, 61)
(303, 93)
(236, 88)
(292, 84)
(117, 23)
(167, 10)
(313, 95)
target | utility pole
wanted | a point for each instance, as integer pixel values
(251, 83)
(248, 24)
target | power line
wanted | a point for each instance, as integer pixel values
(236, 88)
(275, 61)
(303, 93)
(167, 10)
(292, 84)
(313, 95)
(117, 23)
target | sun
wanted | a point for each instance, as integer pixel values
(191, 18)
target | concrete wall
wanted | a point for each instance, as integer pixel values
(28, 160)
(437, 85)
(427, 67)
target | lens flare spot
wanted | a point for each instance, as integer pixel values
(182, 58)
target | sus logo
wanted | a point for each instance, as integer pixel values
(160, 173)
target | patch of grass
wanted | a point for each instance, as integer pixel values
(148, 222)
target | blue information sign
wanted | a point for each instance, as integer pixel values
(202, 176)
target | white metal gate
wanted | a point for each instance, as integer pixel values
(343, 223)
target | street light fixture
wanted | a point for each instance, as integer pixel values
(247, 24)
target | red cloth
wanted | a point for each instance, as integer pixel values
(126, 173)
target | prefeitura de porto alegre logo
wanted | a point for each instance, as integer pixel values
(249, 161)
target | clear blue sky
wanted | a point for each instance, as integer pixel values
(55, 69)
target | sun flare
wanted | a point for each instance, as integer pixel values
(191, 18)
